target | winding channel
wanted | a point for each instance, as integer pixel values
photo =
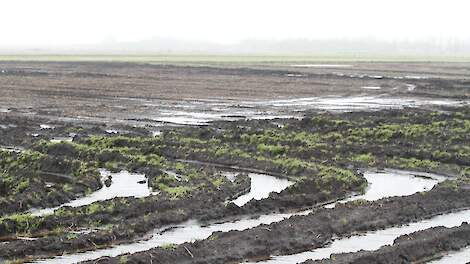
(373, 240)
(376, 239)
(457, 257)
(381, 184)
(123, 184)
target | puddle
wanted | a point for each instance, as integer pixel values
(188, 117)
(388, 183)
(193, 230)
(294, 75)
(12, 149)
(261, 186)
(201, 112)
(61, 139)
(186, 232)
(173, 174)
(111, 131)
(124, 184)
(359, 103)
(373, 240)
(410, 87)
(322, 65)
(457, 257)
(7, 126)
(230, 175)
(371, 87)
(416, 77)
(44, 126)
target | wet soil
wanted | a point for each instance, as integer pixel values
(300, 233)
(418, 247)
(134, 218)
(193, 230)
(128, 116)
(149, 94)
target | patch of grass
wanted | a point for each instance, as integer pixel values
(176, 192)
(169, 246)
(366, 159)
(123, 260)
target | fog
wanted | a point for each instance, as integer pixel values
(295, 26)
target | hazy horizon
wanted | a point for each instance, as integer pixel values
(253, 47)
(210, 26)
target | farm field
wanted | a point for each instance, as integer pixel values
(233, 159)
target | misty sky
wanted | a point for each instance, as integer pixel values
(72, 22)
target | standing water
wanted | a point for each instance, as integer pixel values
(193, 230)
(261, 186)
(458, 257)
(372, 240)
(124, 184)
(381, 185)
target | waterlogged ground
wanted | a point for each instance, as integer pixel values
(145, 94)
(261, 187)
(193, 230)
(462, 256)
(255, 161)
(372, 240)
(122, 184)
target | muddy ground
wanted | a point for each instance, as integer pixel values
(417, 247)
(146, 94)
(415, 117)
(302, 233)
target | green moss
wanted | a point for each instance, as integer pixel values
(414, 163)
(176, 192)
(20, 223)
(169, 246)
(123, 260)
(71, 236)
(365, 159)
(94, 208)
(218, 182)
(23, 185)
(275, 150)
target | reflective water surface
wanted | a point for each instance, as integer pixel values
(261, 186)
(124, 184)
(193, 230)
(457, 257)
(372, 240)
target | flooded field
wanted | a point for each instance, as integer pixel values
(373, 240)
(122, 184)
(267, 163)
(144, 94)
(461, 256)
(261, 186)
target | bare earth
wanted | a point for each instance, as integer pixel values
(125, 92)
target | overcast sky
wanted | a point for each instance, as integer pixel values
(72, 22)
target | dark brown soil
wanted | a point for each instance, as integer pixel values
(111, 92)
(417, 247)
(301, 233)
(80, 99)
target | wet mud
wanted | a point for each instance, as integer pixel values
(196, 137)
